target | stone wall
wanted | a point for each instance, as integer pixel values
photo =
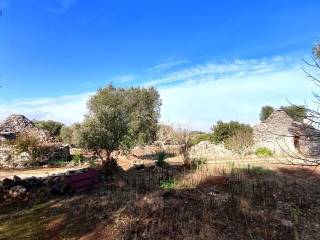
(11, 158)
(274, 133)
(34, 188)
(209, 150)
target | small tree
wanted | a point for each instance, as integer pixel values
(51, 126)
(104, 131)
(224, 130)
(266, 112)
(119, 118)
(71, 134)
(297, 113)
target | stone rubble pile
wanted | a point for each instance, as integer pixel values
(15, 125)
(34, 188)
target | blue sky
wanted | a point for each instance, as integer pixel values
(210, 60)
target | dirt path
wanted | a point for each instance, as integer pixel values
(40, 172)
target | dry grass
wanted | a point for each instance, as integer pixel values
(212, 202)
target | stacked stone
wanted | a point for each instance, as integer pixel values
(34, 188)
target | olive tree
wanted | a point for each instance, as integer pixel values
(119, 118)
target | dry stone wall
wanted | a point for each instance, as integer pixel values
(209, 150)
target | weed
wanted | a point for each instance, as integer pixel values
(168, 184)
(161, 157)
(263, 152)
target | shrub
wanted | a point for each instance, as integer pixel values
(78, 158)
(196, 163)
(30, 144)
(167, 184)
(241, 142)
(263, 152)
(199, 137)
(222, 131)
(258, 171)
(51, 126)
(161, 156)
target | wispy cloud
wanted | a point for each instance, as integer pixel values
(166, 66)
(211, 71)
(197, 96)
(62, 5)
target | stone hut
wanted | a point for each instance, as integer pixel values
(14, 125)
(280, 133)
(11, 128)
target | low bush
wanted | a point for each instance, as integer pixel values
(199, 137)
(263, 152)
(78, 159)
(30, 144)
(167, 184)
(196, 163)
(161, 157)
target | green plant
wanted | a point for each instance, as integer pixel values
(161, 157)
(51, 126)
(224, 130)
(263, 152)
(258, 170)
(199, 137)
(196, 163)
(167, 184)
(78, 158)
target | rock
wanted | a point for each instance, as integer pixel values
(17, 179)
(7, 183)
(18, 192)
(286, 223)
(15, 125)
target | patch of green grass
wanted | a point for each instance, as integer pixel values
(259, 170)
(263, 152)
(168, 184)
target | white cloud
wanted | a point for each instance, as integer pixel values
(166, 66)
(125, 78)
(197, 96)
(67, 109)
(233, 97)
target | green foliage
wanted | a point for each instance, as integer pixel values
(51, 126)
(161, 156)
(258, 170)
(223, 131)
(241, 142)
(78, 158)
(199, 137)
(104, 129)
(263, 152)
(168, 184)
(266, 112)
(297, 113)
(196, 163)
(140, 107)
(71, 135)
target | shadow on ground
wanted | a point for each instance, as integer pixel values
(175, 203)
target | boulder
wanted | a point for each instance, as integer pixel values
(18, 192)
